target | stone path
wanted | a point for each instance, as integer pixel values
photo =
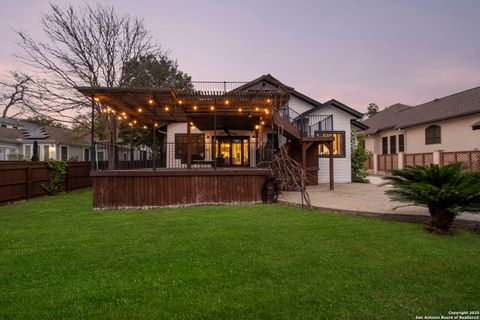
(366, 199)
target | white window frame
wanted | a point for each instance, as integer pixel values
(89, 154)
(60, 153)
(31, 151)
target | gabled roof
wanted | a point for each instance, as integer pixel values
(400, 116)
(268, 78)
(264, 78)
(59, 135)
(336, 104)
(385, 119)
(15, 122)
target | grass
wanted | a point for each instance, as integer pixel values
(60, 259)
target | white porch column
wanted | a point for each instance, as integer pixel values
(437, 156)
(375, 163)
(401, 157)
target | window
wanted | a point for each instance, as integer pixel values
(28, 152)
(64, 153)
(401, 143)
(198, 147)
(338, 146)
(86, 154)
(393, 144)
(46, 152)
(384, 145)
(100, 155)
(433, 135)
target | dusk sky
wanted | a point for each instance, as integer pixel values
(354, 51)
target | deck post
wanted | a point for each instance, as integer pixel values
(92, 136)
(330, 164)
(153, 144)
(189, 144)
(304, 157)
(214, 140)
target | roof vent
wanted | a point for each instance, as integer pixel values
(436, 99)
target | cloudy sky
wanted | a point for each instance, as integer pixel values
(355, 51)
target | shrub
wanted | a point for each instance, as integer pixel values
(58, 172)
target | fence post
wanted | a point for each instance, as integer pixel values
(375, 163)
(67, 182)
(437, 157)
(401, 160)
(29, 182)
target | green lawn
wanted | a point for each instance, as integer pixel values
(60, 259)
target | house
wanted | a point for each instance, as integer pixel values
(53, 143)
(221, 142)
(239, 146)
(448, 124)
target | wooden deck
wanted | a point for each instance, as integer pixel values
(122, 189)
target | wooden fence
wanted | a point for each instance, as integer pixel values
(469, 159)
(23, 180)
(387, 162)
(417, 159)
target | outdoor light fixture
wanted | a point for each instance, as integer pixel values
(266, 111)
(227, 102)
(257, 127)
(167, 108)
(268, 100)
(194, 107)
(139, 110)
(156, 124)
(256, 109)
(212, 108)
(119, 118)
(144, 127)
(263, 123)
(239, 109)
(130, 124)
(180, 101)
(150, 101)
(135, 121)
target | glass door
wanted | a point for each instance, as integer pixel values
(232, 151)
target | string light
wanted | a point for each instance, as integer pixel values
(119, 118)
(256, 109)
(212, 108)
(239, 109)
(227, 102)
(257, 127)
(263, 123)
(156, 124)
(150, 101)
(139, 110)
(135, 121)
(180, 101)
(195, 107)
(124, 114)
(266, 111)
(144, 127)
(268, 100)
(96, 99)
(167, 108)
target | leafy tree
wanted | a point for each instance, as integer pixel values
(372, 109)
(444, 190)
(358, 155)
(44, 121)
(151, 70)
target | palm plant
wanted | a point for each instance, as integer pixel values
(444, 190)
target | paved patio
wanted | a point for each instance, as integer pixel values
(367, 200)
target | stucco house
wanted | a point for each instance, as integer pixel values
(448, 124)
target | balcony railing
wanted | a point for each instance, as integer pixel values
(308, 125)
(217, 86)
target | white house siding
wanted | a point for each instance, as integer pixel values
(298, 105)
(342, 167)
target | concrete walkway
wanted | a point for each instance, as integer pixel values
(368, 200)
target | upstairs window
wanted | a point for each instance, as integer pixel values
(433, 135)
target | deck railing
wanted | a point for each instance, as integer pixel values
(308, 125)
(232, 152)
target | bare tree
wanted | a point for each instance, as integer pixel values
(88, 46)
(12, 94)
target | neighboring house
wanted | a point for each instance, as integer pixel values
(451, 123)
(53, 143)
(240, 147)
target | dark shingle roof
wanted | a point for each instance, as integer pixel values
(400, 116)
(67, 136)
(10, 133)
